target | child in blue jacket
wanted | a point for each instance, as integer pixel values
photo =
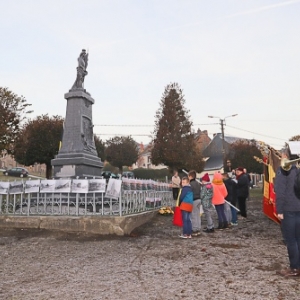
(186, 206)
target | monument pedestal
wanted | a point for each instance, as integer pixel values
(77, 156)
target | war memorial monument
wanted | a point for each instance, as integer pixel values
(77, 156)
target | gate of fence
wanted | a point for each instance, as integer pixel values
(82, 197)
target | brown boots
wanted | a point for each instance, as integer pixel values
(289, 272)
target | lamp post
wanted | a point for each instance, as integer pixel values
(222, 122)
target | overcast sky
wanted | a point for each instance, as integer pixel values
(229, 57)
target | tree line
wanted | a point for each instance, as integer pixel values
(38, 140)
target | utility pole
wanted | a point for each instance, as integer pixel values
(222, 123)
(223, 142)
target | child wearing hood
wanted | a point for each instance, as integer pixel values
(218, 199)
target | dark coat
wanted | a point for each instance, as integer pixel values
(286, 199)
(242, 186)
(196, 188)
(231, 187)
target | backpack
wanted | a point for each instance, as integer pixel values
(297, 184)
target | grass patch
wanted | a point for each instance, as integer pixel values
(13, 178)
(256, 193)
(10, 178)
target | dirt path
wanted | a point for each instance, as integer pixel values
(153, 263)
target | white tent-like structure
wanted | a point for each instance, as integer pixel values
(294, 147)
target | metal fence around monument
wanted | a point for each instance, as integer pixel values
(21, 198)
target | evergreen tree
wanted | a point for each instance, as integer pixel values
(174, 143)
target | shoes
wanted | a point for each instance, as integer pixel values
(234, 223)
(185, 236)
(221, 226)
(289, 272)
(196, 233)
(209, 230)
(226, 225)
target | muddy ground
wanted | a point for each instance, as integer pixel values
(152, 263)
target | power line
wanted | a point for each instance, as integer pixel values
(108, 125)
(136, 125)
(123, 134)
(150, 135)
(256, 133)
(255, 120)
(273, 144)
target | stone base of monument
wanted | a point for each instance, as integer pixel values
(79, 165)
(100, 225)
(78, 156)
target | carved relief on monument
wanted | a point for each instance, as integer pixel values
(87, 137)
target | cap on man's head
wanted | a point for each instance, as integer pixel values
(240, 169)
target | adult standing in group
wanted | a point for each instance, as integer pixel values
(228, 167)
(249, 182)
(195, 216)
(231, 197)
(175, 185)
(288, 211)
(242, 190)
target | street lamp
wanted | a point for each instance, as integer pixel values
(222, 122)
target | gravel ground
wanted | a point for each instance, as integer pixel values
(152, 263)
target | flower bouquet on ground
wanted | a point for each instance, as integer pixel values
(166, 211)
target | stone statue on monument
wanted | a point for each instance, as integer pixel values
(81, 70)
(78, 157)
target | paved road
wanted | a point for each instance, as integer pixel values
(152, 264)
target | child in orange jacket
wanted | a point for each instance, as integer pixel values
(218, 199)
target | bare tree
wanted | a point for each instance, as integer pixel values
(13, 111)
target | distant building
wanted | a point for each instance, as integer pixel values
(202, 139)
(213, 153)
(144, 159)
(7, 161)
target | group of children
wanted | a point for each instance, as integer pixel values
(218, 193)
